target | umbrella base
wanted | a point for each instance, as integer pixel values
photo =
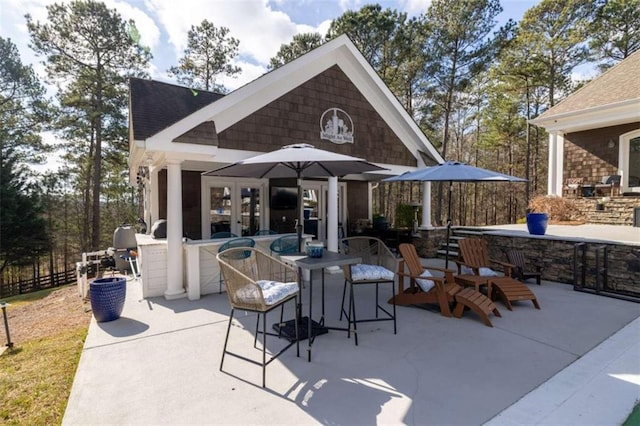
(288, 330)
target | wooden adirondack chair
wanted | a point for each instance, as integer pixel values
(522, 271)
(444, 291)
(474, 254)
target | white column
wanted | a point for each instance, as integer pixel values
(332, 215)
(154, 198)
(175, 286)
(556, 163)
(426, 205)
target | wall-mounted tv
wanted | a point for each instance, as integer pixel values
(283, 198)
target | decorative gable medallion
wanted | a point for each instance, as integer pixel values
(336, 126)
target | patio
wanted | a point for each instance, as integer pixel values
(158, 364)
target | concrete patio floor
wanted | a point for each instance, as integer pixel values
(159, 364)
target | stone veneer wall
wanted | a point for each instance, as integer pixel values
(618, 211)
(555, 257)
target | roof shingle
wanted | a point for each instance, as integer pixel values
(619, 83)
(156, 105)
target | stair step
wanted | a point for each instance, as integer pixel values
(452, 254)
(466, 232)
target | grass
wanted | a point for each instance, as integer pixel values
(23, 299)
(36, 377)
(634, 417)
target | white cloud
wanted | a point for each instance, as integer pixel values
(414, 7)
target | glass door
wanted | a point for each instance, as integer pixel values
(232, 207)
(315, 208)
(220, 210)
(251, 210)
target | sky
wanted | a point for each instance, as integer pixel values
(261, 26)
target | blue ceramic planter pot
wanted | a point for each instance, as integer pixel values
(537, 223)
(107, 298)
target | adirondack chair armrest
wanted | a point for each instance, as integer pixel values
(448, 273)
(508, 267)
(460, 264)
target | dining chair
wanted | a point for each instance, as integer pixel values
(258, 283)
(236, 242)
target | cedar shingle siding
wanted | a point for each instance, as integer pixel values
(587, 154)
(295, 118)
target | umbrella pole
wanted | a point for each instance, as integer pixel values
(300, 214)
(446, 261)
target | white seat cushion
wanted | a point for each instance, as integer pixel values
(425, 285)
(272, 291)
(483, 272)
(363, 272)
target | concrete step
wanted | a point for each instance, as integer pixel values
(452, 254)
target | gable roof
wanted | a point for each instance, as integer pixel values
(617, 90)
(244, 101)
(156, 105)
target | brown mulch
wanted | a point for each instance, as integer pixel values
(61, 309)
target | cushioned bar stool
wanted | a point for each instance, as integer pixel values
(258, 283)
(377, 267)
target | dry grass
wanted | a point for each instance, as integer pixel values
(48, 330)
(559, 209)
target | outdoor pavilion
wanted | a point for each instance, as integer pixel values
(330, 98)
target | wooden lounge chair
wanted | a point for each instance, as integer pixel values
(475, 258)
(426, 289)
(522, 271)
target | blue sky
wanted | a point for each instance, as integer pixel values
(260, 25)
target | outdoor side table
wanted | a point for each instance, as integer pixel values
(313, 264)
(476, 281)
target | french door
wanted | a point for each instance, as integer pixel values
(236, 207)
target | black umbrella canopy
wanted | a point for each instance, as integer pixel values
(453, 171)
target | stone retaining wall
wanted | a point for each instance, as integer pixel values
(556, 257)
(617, 211)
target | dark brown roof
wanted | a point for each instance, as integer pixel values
(156, 105)
(619, 83)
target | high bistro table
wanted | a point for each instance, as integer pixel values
(302, 261)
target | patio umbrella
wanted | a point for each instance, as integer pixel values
(299, 161)
(453, 171)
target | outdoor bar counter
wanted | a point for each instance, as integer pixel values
(202, 275)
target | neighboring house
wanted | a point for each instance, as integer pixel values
(176, 134)
(595, 132)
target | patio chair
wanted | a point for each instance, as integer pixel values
(573, 186)
(236, 242)
(264, 232)
(612, 183)
(286, 244)
(378, 267)
(424, 288)
(522, 270)
(474, 261)
(258, 283)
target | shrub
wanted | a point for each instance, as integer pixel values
(558, 208)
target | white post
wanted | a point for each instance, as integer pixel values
(332, 214)
(556, 163)
(175, 286)
(154, 198)
(426, 205)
